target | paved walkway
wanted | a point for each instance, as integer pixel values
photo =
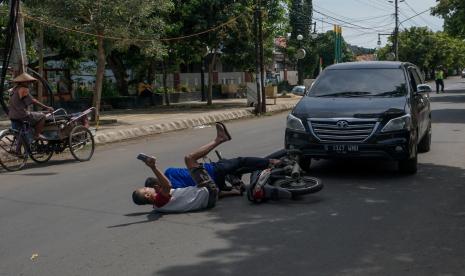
(118, 125)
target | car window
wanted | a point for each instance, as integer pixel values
(360, 82)
(420, 75)
(412, 83)
(414, 78)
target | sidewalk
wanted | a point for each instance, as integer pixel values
(119, 125)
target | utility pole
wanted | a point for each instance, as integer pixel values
(396, 30)
(40, 88)
(337, 44)
(19, 58)
(258, 78)
(262, 63)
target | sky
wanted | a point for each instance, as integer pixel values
(364, 19)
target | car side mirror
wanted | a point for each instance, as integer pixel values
(424, 88)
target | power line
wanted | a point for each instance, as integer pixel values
(349, 18)
(414, 22)
(133, 39)
(372, 5)
(346, 22)
(338, 21)
(384, 3)
(415, 12)
(418, 14)
(373, 18)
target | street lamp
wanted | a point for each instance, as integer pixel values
(314, 35)
(300, 55)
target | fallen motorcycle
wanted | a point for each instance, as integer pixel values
(284, 180)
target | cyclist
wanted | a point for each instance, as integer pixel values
(195, 187)
(20, 100)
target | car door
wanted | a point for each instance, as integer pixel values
(419, 100)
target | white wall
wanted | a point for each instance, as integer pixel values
(231, 77)
(292, 77)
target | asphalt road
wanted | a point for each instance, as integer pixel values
(73, 218)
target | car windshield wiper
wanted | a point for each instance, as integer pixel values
(389, 94)
(346, 94)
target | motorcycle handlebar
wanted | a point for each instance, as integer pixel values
(295, 170)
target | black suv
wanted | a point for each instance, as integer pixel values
(363, 110)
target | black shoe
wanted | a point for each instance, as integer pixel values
(221, 127)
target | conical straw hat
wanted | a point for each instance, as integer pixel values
(24, 77)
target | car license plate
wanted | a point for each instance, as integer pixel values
(342, 148)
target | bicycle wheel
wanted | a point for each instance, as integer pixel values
(40, 151)
(13, 152)
(301, 186)
(81, 143)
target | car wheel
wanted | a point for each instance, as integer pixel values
(305, 163)
(409, 166)
(425, 143)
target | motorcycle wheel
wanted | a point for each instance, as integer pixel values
(301, 186)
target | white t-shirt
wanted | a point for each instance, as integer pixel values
(185, 200)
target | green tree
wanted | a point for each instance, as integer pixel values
(427, 49)
(300, 18)
(239, 46)
(415, 44)
(202, 15)
(105, 18)
(323, 47)
(453, 12)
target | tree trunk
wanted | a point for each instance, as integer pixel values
(210, 79)
(99, 76)
(40, 50)
(151, 71)
(119, 71)
(165, 88)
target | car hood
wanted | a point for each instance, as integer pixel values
(357, 107)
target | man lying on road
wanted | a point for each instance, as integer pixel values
(195, 187)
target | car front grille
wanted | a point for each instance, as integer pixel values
(342, 129)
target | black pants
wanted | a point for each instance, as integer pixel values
(439, 83)
(232, 166)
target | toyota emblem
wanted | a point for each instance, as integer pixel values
(342, 124)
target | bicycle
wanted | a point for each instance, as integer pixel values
(65, 131)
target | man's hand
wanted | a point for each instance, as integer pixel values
(50, 109)
(151, 162)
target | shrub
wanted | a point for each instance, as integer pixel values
(183, 88)
(284, 86)
(109, 90)
(161, 90)
(83, 92)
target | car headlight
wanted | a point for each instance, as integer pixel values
(294, 123)
(401, 123)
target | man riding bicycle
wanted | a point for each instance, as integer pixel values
(20, 100)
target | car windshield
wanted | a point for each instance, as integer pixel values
(360, 83)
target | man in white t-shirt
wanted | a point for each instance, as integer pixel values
(195, 187)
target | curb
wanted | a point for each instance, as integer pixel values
(136, 132)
